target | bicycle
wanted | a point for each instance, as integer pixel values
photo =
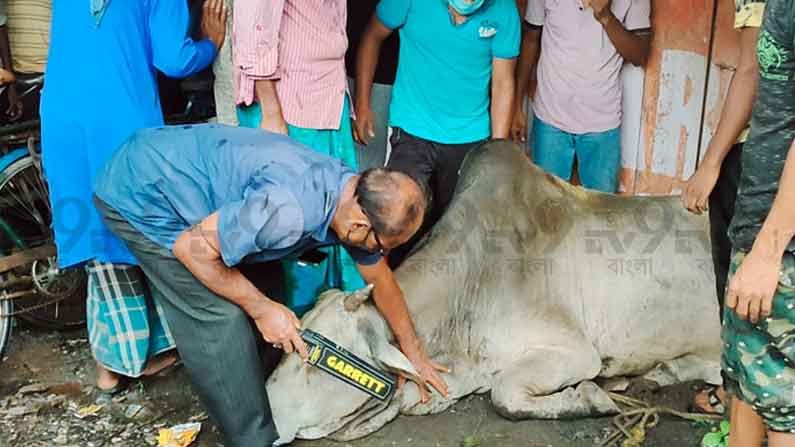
(32, 286)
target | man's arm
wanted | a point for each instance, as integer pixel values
(521, 6)
(752, 288)
(502, 96)
(633, 46)
(173, 52)
(257, 46)
(366, 63)
(733, 120)
(528, 58)
(272, 118)
(5, 49)
(391, 303)
(8, 77)
(198, 249)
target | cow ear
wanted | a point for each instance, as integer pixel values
(330, 293)
(357, 298)
(391, 357)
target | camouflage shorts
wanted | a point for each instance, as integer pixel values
(759, 359)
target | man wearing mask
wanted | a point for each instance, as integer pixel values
(454, 87)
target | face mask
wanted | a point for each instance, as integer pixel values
(465, 8)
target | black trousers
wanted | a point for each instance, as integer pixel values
(222, 351)
(721, 211)
(435, 166)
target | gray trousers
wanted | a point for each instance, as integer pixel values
(223, 69)
(376, 153)
(214, 337)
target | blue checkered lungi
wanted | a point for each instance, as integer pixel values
(125, 326)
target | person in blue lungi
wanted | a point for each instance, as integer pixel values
(101, 86)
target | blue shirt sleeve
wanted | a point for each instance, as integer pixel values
(393, 13)
(173, 51)
(507, 41)
(268, 217)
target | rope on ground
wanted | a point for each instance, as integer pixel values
(632, 424)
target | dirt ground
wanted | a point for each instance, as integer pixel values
(46, 415)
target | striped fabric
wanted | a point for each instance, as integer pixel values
(125, 326)
(29, 34)
(301, 43)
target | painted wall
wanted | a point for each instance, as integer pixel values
(668, 104)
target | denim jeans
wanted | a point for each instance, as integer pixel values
(598, 155)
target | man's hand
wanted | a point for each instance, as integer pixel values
(519, 126)
(363, 125)
(428, 372)
(15, 109)
(751, 290)
(273, 122)
(390, 302)
(695, 197)
(279, 326)
(6, 76)
(601, 9)
(214, 22)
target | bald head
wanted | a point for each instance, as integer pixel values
(393, 201)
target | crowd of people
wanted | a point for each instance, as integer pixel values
(341, 128)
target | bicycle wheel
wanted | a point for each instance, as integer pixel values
(57, 298)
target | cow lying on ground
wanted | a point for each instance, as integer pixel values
(528, 288)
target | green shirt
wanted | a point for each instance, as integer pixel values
(772, 124)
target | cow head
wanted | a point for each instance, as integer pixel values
(307, 402)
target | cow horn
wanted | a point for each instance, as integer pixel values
(355, 299)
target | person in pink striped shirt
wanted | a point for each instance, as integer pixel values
(290, 78)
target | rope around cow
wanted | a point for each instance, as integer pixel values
(632, 424)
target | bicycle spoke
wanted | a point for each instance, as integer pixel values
(24, 197)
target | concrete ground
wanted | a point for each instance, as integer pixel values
(60, 363)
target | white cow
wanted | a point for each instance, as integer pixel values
(528, 288)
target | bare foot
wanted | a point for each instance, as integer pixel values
(161, 362)
(106, 379)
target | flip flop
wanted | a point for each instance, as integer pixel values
(716, 405)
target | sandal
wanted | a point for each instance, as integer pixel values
(715, 404)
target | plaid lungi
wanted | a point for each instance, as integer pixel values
(125, 326)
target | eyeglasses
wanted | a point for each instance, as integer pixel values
(381, 250)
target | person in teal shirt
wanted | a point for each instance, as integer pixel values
(454, 86)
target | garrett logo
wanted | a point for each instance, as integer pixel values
(347, 367)
(355, 374)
